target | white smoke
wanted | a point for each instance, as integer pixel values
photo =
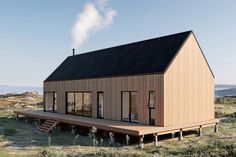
(95, 16)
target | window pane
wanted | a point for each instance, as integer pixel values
(152, 116)
(100, 104)
(87, 104)
(134, 106)
(152, 99)
(125, 106)
(70, 103)
(55, 102)
(48, 101)
(78, 104)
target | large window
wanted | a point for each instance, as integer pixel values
(129, 106)
(79, 103)
(50, 101)
(151, 106)
(100, 105)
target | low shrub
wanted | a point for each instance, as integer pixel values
(8, 131)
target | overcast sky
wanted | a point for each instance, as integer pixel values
(35, 36)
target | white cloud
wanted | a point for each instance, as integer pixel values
(94, 17)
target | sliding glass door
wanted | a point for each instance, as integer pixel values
(79, 103)
(134, 106)
(125, 106)
(50, 101)
(130, 103)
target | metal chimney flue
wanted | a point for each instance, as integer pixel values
(73, 51)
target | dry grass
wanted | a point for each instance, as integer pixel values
(18, 138)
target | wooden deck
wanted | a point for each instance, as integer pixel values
(114, 126)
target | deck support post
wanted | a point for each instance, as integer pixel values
(26, 119)
(39, 121)
(58, 127)
(155, 139)
(216, 127)
(173, 134)
(200, 131)
(17, 116)
(36, 122)
(72, 129)
(141, 145)
(181, 135)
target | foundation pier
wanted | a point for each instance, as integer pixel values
(155, 139)
(181, 135)
(72, 129)
(173, 134)
(200, 131)
(141, 145)
(17, 117)
(216, 127)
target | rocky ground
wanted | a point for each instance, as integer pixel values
(18, 138)
(26, 100)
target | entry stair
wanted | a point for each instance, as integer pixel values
(48, 125)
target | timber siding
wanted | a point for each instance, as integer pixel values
(188, 87)
(184, 84)
(112, 88)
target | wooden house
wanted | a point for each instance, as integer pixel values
(164, 82)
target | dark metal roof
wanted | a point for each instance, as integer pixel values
(143, 57)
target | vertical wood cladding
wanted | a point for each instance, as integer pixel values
(184, 94)
(188, 87)
(112, 88)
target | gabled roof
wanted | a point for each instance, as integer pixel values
(143, 57)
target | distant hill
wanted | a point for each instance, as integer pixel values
(224, 86)
(220, 90)
(225, 90)
(5, 89)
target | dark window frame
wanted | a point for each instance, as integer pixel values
(74, 92)
(53, 104)
(150, 108)
(98, 116)
(130, 121)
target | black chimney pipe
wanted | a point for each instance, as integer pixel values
(73, 50)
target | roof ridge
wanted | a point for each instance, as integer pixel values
(136, 42)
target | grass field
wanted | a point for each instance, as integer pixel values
(18, 138)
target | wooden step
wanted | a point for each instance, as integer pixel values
(50, 123)
(42, 130)
(47, 125)
(43, 127)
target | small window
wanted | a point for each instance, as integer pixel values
(152, 99)
(50, 101)
(100, 107)
(151, 106)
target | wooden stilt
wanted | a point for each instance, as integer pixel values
(173, 134)
(58, 127)
(141, 145)
(39, 121)
(181, 135)
(155, 139)
(72, 129)
(216, 127)
(17, 116)
(200, 131)
(35, 122)
(26, 120)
